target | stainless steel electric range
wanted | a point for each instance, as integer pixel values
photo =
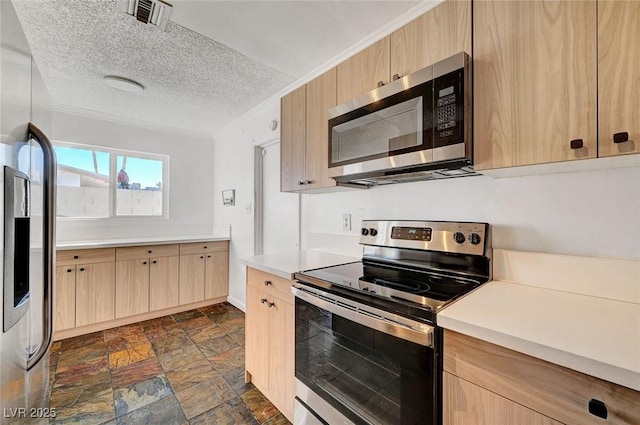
(368, 348)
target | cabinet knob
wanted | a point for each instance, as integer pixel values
(154, 261)
(81, 269)
(396, 77)
(577, 144)
(267, 283)
(205, 247)
(69, 270)
(208, 256)
(300, 183)
(598, 408)
(621, 137)
(150, 251)
(75, 257)
(144, 262)
(308, 182)
(380, 83)
(271, 304)
(263, 300)
(202, 256)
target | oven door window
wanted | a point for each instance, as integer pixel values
(392, 126)
(368, 376)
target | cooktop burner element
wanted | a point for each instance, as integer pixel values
(410, 275)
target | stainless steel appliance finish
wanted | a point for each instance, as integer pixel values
(415, 128)
(368, 349)
(28, 214)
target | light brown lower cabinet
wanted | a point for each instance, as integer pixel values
(65, 297)
(269, 331)
(100, 288)
(95, 293)
(488, 384)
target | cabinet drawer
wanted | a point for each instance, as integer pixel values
(141, 252)
(554, 391)
(270, 284)
(200, 247)
(85, 256)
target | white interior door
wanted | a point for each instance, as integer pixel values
(280, 211)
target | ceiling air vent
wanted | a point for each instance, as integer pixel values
(153, 12)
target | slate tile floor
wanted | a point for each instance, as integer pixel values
(186, 368)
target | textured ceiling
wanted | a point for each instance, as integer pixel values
(192, 82)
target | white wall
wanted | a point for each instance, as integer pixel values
(233, 164)
(190, 178)
(595, 213)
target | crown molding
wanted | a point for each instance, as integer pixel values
(89, 113)
(380, 33)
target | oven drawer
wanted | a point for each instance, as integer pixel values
(554, 391)
(270, 284)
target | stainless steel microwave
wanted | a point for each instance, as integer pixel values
(415, 128)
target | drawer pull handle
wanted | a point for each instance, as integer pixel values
(271, 304)
(75, 257)
(267, 283)
(263, 300)
(69, 270)
(396, 77)
(81, 269)
(577, 144)
(621, 137)
(380, 83)
(598, 408)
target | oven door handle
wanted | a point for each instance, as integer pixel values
(379, 320)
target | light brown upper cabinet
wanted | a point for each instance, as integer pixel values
(293, 140)
(618, 77)
(304, 140)
(364, 71)
(438, 34)
(534, 82)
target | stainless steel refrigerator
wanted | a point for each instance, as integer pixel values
(27, 229)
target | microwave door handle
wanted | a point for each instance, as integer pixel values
(48, 235)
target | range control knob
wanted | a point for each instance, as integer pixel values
(373, 232)
(458, 237)
(364, 231)
(474, 238)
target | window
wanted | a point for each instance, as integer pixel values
(102, 182)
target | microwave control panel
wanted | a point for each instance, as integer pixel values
(449, 108)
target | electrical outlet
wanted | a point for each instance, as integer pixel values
(346, 222)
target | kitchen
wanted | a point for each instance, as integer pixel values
(585, 208)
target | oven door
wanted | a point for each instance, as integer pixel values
(359, 365)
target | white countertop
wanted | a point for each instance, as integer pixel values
(285, 264)
(161, 240)
(590, 333)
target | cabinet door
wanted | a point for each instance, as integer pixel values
(163, 282)
(618, 77)
(465, 403)
(65, 297)
(257, 338)
(132, 287)
(281, 339)
(321, 96)
(216, 274)
(293, 140)
(363, 71)
(534, 81)
(191, 278)
(441, 32)
(95, 293)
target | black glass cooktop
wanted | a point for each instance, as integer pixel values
(407, 291)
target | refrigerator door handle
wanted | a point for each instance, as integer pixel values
(49, 237)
